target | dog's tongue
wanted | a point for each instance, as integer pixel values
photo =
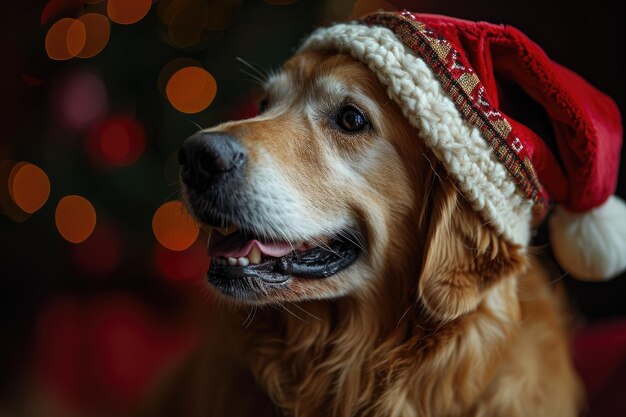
(236, 245)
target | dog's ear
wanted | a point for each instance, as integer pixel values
(462, 255)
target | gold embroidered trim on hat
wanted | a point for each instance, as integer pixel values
(462, 85)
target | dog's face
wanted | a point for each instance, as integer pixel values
(330, 191)
(314, 185)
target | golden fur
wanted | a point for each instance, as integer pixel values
(441, 316)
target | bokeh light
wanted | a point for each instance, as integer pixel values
(106, 352)
(190, 22)
(60, 341)
(55, 9)
(8, 206)
(223, 14)
(32, 80)
(191, 89)
(98, 31)
(101, 253)
(15, 167)
(188, 265)
(127, 12)
(65, 39)
(363, 7)
(186, 22)
(80, 100)
(75, 218)
(173, 227)
(118, 141)
(244, 110)
(171, 68)
(29, 186)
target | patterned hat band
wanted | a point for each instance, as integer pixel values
(440, 95)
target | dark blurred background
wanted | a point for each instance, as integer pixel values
(101, 289)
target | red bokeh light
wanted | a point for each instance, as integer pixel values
(101, 253)
(55, 9)
(105, 353)
(245, 109)
(187, 265)
(118, 141)
(59, 340)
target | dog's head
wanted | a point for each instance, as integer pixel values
(331, 192)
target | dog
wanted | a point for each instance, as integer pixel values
(359, 281)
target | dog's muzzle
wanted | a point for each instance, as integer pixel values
(249, 261)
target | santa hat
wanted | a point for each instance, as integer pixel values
(447, 77)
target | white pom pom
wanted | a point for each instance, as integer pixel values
(591, 245)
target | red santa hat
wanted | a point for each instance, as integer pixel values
(447, 76)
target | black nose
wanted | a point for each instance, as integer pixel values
(206, 157)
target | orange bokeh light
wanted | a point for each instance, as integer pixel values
(190, 22)
(191, 89)
(173, 227)
(186, 23)
(98, 31)
(127, 12)
(7, 205)
(66, 39)
(75, 218)
(29, 186)
(171, 68)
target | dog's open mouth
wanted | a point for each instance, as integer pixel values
(240, 255)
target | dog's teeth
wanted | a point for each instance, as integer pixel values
(255, 255)
(243, 261)
(225, 231)
(232, 261)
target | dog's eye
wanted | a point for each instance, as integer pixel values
(351, 120)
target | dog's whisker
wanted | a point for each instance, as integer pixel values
(195, 124)
(305, 311)
(256, 68)
(559, 278)
(254, 76)
(252, 79)
(356, 241)
(255, 308)
(170, 195)
(404, 315)
(173, 184)
(250, 317)
(292, 313)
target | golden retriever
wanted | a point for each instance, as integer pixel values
(359, 282)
